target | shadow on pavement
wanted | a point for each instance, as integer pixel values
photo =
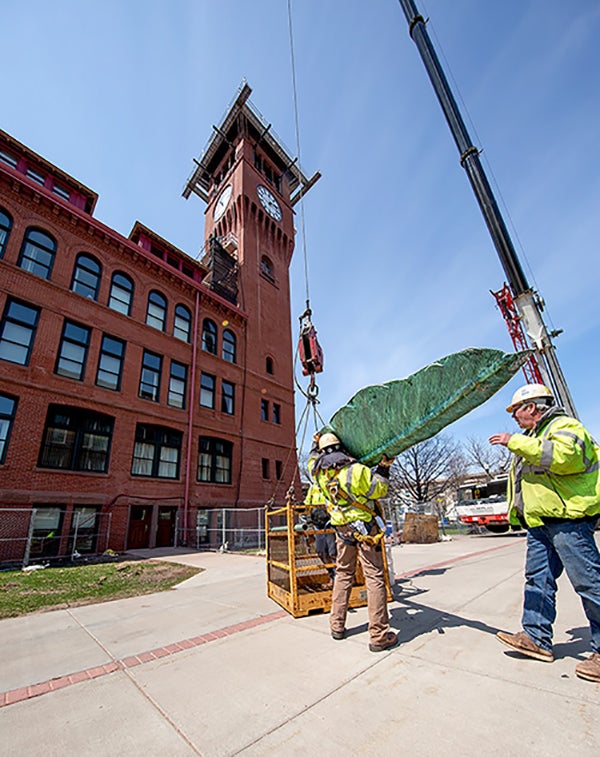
(413, 619)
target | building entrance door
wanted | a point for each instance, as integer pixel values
(139, 527)
(165, 530)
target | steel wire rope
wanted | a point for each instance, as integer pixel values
(484, 158)
(311, 401)
(297, 129)
(311, 395)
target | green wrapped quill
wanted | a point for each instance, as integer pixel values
(387, 419)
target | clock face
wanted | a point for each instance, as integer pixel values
(222, 203)
(269, 203)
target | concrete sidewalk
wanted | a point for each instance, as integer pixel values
(215, 668)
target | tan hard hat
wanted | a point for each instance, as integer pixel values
(529, 393)
(328, 440)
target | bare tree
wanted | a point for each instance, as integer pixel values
(492, 459)
(427, 470)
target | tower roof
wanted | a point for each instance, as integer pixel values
(243, 119)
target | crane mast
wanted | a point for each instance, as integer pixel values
(522, 297)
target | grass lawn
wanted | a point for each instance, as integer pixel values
(57, 588)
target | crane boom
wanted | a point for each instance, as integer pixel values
(527, 301)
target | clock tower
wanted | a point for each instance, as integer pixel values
(250, 184)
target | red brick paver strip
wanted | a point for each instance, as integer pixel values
(45, 687)
(460, 558)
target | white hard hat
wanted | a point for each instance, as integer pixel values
(328, 440)
(529, 393)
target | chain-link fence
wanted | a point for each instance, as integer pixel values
(49, 534)
(226, 528)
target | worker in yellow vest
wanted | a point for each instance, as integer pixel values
(553, 492)
(351, 490)
(320, 520)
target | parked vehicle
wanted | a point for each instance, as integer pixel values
(484, 504)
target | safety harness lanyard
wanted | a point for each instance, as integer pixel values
(331, 492)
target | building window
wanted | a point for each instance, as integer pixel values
(264, 410)
(156, 315)
(5, 227)
(177, 385)
(276, 413)
(265, 467)
(229, 348)
(121, 293)
(156, 452)
(10, 160)
(83, 533)
(17, 332)
(86, 276)
(278, 469)
(214, 460)
(269, 365)
(73, 350)
(37, 253)
(182, 326)
(35, 176)
(61, 192)
(46, 531)
(209, 336)
(76, 439)
(150, 377)
(8, 410)
(207, 391)
(227, 397)
(110, 363)
(266, 268)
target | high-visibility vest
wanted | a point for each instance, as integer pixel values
(351, 491)
(558, 476)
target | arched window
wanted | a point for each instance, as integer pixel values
(266, 268)
(156, 315)
(269, 365)
(182, 326)
(209, 336)
(37, 253)
(86, 276)
(229, 348)
(5, 227)
(121, 293)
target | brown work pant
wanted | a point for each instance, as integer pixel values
(371, 559)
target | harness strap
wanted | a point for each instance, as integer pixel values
(332, 487)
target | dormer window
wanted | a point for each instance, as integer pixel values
(61, 192)
(9, 159)
(35, 176)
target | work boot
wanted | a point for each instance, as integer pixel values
(520, 642)
(590, 668)
(338, 635)
(390, 641)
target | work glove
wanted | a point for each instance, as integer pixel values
(383, 466)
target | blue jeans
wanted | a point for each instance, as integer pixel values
(550, 549)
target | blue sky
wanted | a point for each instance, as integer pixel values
(123, 96)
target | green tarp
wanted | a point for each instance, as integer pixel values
(389, 418)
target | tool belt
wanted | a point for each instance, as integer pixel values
(349, 534)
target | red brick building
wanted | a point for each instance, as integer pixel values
(134, 379)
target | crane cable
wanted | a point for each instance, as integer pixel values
(305, 322)
(314, 365)
(297, 128)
